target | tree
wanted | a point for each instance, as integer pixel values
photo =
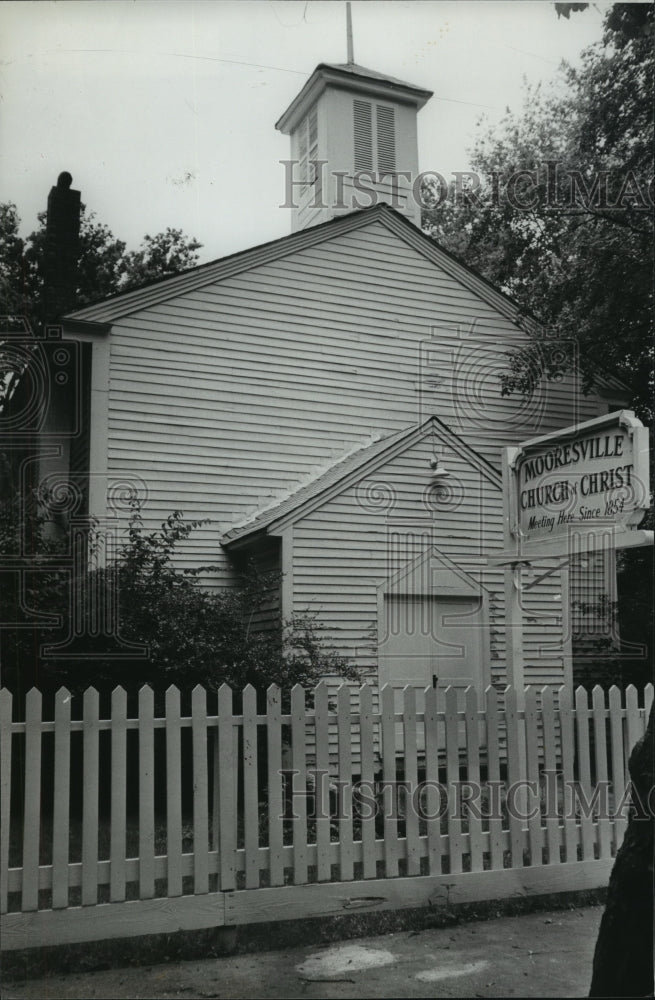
(104, 267)
(12, 284)
(562, 219)
(562, 222)
(159, 257)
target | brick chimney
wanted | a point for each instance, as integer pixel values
(61, 249)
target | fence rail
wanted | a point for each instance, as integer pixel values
(133, 824)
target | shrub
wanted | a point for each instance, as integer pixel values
(143, 619)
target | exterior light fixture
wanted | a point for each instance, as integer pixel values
(438, 470)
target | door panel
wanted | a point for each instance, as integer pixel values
(431, 638)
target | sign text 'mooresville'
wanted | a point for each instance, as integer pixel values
(603, 446)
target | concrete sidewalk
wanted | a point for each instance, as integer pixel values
(544, 954)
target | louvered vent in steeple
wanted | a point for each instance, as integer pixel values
(374, 133)
(363, 134)
(308, 149)
(386, 139)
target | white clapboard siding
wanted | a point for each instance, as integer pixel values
(344, 550)
(228, 397)
(225, 397)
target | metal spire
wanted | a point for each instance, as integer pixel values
(349, 33)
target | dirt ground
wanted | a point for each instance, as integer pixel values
(544, 954)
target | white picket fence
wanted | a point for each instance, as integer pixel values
(247, 816)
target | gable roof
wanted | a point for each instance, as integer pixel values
(349, 470)
(124, 304)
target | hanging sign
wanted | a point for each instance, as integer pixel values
(582, 486)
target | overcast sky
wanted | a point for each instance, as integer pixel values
(164, 112)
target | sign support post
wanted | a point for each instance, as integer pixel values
(513, 609)
(514, 632)
(514, 654)
(516, 678)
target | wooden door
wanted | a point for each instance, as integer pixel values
(428, 640)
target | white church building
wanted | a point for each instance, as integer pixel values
(331, 402)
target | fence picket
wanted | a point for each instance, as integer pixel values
(118, 821)
(32, 806)
(390, 813)
(515, 772)
(61, 803)
(146, 793)
(298, 785)
(566, 720)
(200, 791)
(321, 787)
(366, 777)
(346, 873)
(473, 777)
(618, 765)
(584, 771)
(452, 773)
(91, 732)
(493, 779)
(173, 792)
(535, 836)
(5, 792)
(227, 800)
(275, 810)
(600, 753)
(250, 787)
(550, 773)
(214, 797)
(432, 801)
(412, 846)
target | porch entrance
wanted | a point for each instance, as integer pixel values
(431, 641)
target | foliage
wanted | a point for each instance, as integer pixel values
(191, 635)
(12, 248)
(562, 222)
(615, 637)
(566, 9)
(105, 267)
(159, 257)
(33, 592)
(635, 614)
(576, 259)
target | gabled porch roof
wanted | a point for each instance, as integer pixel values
(348, 470)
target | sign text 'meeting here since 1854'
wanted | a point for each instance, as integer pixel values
(584, 477)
